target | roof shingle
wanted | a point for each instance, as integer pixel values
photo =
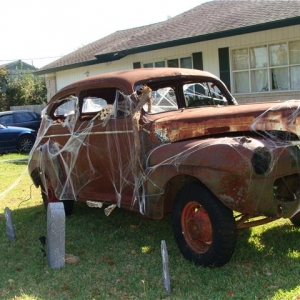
(208, 18)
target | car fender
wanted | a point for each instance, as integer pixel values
(225, 166)
(45, 165)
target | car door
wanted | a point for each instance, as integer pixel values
(8, 139)
(90, 136)
(108, 149)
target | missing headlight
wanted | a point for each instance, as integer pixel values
(261, 160)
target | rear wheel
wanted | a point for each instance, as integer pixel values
(48, 195)
(204, 227)
(25, 144)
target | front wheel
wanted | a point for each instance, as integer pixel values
(204, 228)
(25, 144)
(48, 195)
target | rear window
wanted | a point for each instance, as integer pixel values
(7, 119)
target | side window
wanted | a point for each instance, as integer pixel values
(67, 107)
(202, 94)
(93, 104)
(163, 99)
(23, 117)
(6, 120)
(105, 102)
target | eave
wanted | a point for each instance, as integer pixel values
(113, 56)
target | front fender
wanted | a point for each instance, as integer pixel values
(240, 171)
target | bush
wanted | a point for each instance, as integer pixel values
(25, 89)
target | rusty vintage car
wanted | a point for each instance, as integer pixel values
(167, 140)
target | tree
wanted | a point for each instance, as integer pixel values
(25, 89)
(3, 88)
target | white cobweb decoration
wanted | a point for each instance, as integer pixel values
(129, 157)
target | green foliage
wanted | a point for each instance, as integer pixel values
(3, 87)
(25, 89)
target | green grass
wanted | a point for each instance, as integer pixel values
(120, 254)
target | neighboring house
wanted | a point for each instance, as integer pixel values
(18, 67)
(253, 46)
(15, 69)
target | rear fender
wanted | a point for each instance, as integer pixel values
(45, 165)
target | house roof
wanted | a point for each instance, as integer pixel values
(210, 20)
(17, 63)
(3, 66)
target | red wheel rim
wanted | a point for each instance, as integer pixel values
(196, 227)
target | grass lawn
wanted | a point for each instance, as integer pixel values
(120, 256)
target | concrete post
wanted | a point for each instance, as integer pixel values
(10, 230)
(56, 235)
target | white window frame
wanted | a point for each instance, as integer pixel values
(267, 83)
(179, 59)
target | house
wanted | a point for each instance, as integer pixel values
(15, 69)
(253, 46)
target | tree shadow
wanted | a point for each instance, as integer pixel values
(17, 161)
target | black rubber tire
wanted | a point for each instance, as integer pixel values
(296, 219)
(68, 204)
(210, 210)
(25, 143)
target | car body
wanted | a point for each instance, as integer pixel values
(168, 140)
(16, 139)
(21, 118)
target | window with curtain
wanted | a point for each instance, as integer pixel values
(272, 67)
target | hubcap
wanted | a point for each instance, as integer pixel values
(196, 227)
(26, 145)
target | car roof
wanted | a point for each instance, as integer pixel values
(8, 112)
(129, 77)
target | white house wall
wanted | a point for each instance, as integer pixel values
(209, 51)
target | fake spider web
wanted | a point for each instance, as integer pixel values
(131, 154)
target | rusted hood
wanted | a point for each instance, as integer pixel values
(205, 121)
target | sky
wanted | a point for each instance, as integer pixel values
(41, 31)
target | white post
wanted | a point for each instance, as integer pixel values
(56, 235)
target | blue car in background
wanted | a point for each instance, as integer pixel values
(21, 118)
(16, 139)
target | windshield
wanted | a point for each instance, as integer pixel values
(201, 94)
(183, 95)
